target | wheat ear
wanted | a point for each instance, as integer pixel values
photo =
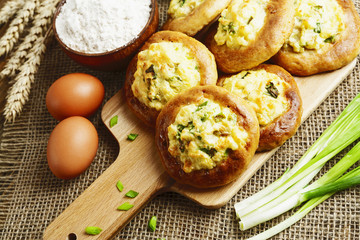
(9, 10)
(17, 26)
(41, 23)
(19, 92)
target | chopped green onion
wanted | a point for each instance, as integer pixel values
(180, 127)
(132, 136)
(113, 121)
(247, 73)
(211, 152)
(152, 223)
(286, 193)
(119, 186)
(150, 69)
(272, 90)
(318, 7)
(219, 117)
(131, 194)
(317, 29)
(93, 230)
(227, 151)
(204, 118)
(190, 126)
(201, 106)
(125, 206)
(330, 39)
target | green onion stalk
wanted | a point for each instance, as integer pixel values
(323, 193)
(286, 192)
(293, 198)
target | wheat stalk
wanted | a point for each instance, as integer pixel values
(19, 92)
(9, 10)
(16, 27)
(42, 21)
(29, 55)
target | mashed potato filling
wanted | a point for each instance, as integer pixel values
(240, 22)
(263, 90)
(164, 70)
(182, 8)
(203, 134)
(317, 23)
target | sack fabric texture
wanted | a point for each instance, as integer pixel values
(31, 197)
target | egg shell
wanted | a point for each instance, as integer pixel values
(74, 94)
(72, 146)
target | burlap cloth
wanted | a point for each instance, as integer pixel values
(31, 197)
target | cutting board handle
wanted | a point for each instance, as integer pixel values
(137, 167)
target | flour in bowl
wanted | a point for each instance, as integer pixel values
(96, 26)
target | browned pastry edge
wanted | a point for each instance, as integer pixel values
(277, 28)
(338, 55)
(285, 126)
(202, 16)
(207, 68)
(229, 169)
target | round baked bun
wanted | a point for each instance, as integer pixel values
(190, 17)
(168, 63)
(249, 33)
(206, 136)
(329, 42)
(274, 95)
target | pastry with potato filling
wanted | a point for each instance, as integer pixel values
(168, 63)
(326, 37)
(273, 94)
(181, 8)
(240, 22)
(206, 136)
(250, 32)
(264, 91)
(203, 134)
(164, 70)
(317, 23)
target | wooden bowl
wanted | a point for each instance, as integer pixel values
(118, 58)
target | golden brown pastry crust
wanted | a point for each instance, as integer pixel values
(285, 126)
(236, 162)
(207, 68)
(277, 28)
(336, 56)
(202, 16)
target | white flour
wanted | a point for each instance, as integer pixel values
(95, 26)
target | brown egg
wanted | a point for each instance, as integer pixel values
(72, 147)
(75, 94)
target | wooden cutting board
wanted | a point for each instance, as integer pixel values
(139, 168)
